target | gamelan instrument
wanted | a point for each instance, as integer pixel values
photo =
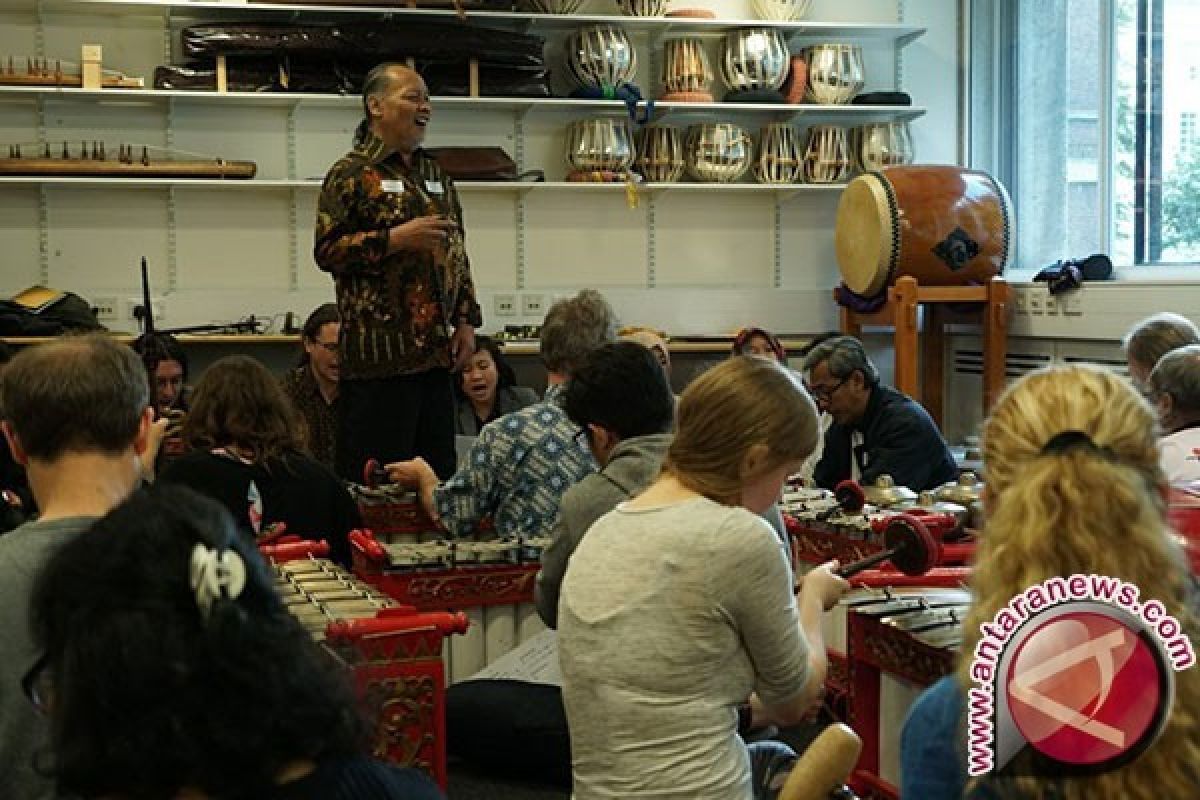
(754, 60)
(599, 57)
(600, 144)
(778, 154)
(1183, 512)
(642, 8)
(901, 639)
(393, 652)
(404, 555)
(687, 74)
(835, 73)
(943, 225)
(910, 547)
(827, 155)
(44, 72)
(881, 144)
(901, 628)
(94, 160)
(660, 154)
(454, 59)
(781, 10)
(718, 152)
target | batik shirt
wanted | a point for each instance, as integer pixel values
(397, 310)
(319, 417)
(517, 471)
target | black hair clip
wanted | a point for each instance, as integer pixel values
(1067, 441)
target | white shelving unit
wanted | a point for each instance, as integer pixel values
(309, 130)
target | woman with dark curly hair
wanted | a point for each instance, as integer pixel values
(247, 451)
(487, 389)
(171, 669)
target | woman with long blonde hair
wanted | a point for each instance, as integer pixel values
(679, 604)
(1073, 487)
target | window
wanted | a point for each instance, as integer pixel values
(1119, 171)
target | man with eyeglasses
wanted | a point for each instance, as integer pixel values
(389, 229)
(78, 417)
(876, 430)
(313, 385)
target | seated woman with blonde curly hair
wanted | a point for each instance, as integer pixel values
(1073, 488)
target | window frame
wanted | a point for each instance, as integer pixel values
(993, 28)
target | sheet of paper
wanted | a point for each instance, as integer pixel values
(534, 661)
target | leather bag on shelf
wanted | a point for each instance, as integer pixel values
(475, 163)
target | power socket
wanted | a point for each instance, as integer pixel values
(106, 307)
(157, 304)
(1037, 305)
(533, 305)
(1020, 301)
(1051, 304)
(504, 305)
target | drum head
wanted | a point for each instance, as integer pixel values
(864, 235)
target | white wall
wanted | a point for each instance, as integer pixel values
(248, 251)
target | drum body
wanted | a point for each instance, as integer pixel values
(943, 225)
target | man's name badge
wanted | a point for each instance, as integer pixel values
(434, 187)
(394, 187)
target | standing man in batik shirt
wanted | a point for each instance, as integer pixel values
(389, 230)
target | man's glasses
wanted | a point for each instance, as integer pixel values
(38, 685)
(825, 393)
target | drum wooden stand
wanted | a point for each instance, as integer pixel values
(901, 313)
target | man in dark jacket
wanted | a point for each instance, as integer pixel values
(876, 430)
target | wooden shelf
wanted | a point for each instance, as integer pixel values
(511, 348)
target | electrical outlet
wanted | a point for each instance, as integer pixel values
(157, 304)
(1021, 301)
(533, 305)
(1037, 303)
(106, 307)
(1051, 303)
(1072, 302)
(505, 305)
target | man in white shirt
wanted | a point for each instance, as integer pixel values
(1175, 391)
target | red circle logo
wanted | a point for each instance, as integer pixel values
(1085, 689)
